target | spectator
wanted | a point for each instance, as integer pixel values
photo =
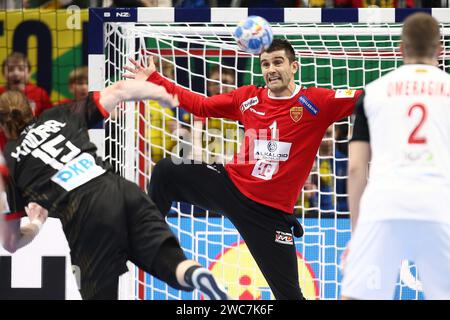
(317, 3)
(141, 3)
(191, 3)
(16, 69)
(375, 3)
(78, 85)
(220, 84)
(269, 3)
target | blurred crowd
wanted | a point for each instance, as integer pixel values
(10, 4)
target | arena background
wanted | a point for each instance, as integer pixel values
(56, 42)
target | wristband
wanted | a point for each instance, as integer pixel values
(38, 223)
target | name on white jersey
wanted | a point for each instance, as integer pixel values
(249, 103)
(35, 137)
(416, 87)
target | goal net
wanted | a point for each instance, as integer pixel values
(203, 57)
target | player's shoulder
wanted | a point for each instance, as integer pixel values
(246, 92)
(316, 90)
(249, 89)
(376, 85)
(319, 95)
(440, 73)
(427, 72)
(408, 72)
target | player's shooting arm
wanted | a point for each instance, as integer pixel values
(135, 90)
(14, 237)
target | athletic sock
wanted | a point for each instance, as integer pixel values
(188, 275)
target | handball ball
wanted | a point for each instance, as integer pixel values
(253, 34)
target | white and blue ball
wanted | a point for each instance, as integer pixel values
(253, 34)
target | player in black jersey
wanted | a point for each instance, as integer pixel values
(107, 220)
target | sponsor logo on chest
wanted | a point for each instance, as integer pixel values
(272, 150)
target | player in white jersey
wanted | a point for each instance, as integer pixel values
(402, 211)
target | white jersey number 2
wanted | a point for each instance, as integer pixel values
(415, 137)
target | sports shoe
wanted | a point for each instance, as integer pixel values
(203, 280)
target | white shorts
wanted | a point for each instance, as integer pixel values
(372, 264)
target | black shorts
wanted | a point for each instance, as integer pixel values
(209, 187)
(108, 221)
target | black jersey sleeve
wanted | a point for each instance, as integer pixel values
(16, 204)
(360, 126)
(90, 109)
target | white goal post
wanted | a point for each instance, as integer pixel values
(336, 48)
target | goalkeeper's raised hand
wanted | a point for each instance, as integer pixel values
(139, 72)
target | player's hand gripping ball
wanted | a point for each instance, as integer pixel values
(253, 34)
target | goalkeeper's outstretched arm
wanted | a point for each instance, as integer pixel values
(217, 106)
(135, 90)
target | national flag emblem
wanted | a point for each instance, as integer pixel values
(345, 93)
(296, 113)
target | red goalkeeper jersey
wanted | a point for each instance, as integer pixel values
(281, 139)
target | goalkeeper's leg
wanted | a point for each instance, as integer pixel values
(209, 187)
(194, 183)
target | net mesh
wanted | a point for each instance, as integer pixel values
(203, 57)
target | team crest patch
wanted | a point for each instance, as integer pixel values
(296, 113)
